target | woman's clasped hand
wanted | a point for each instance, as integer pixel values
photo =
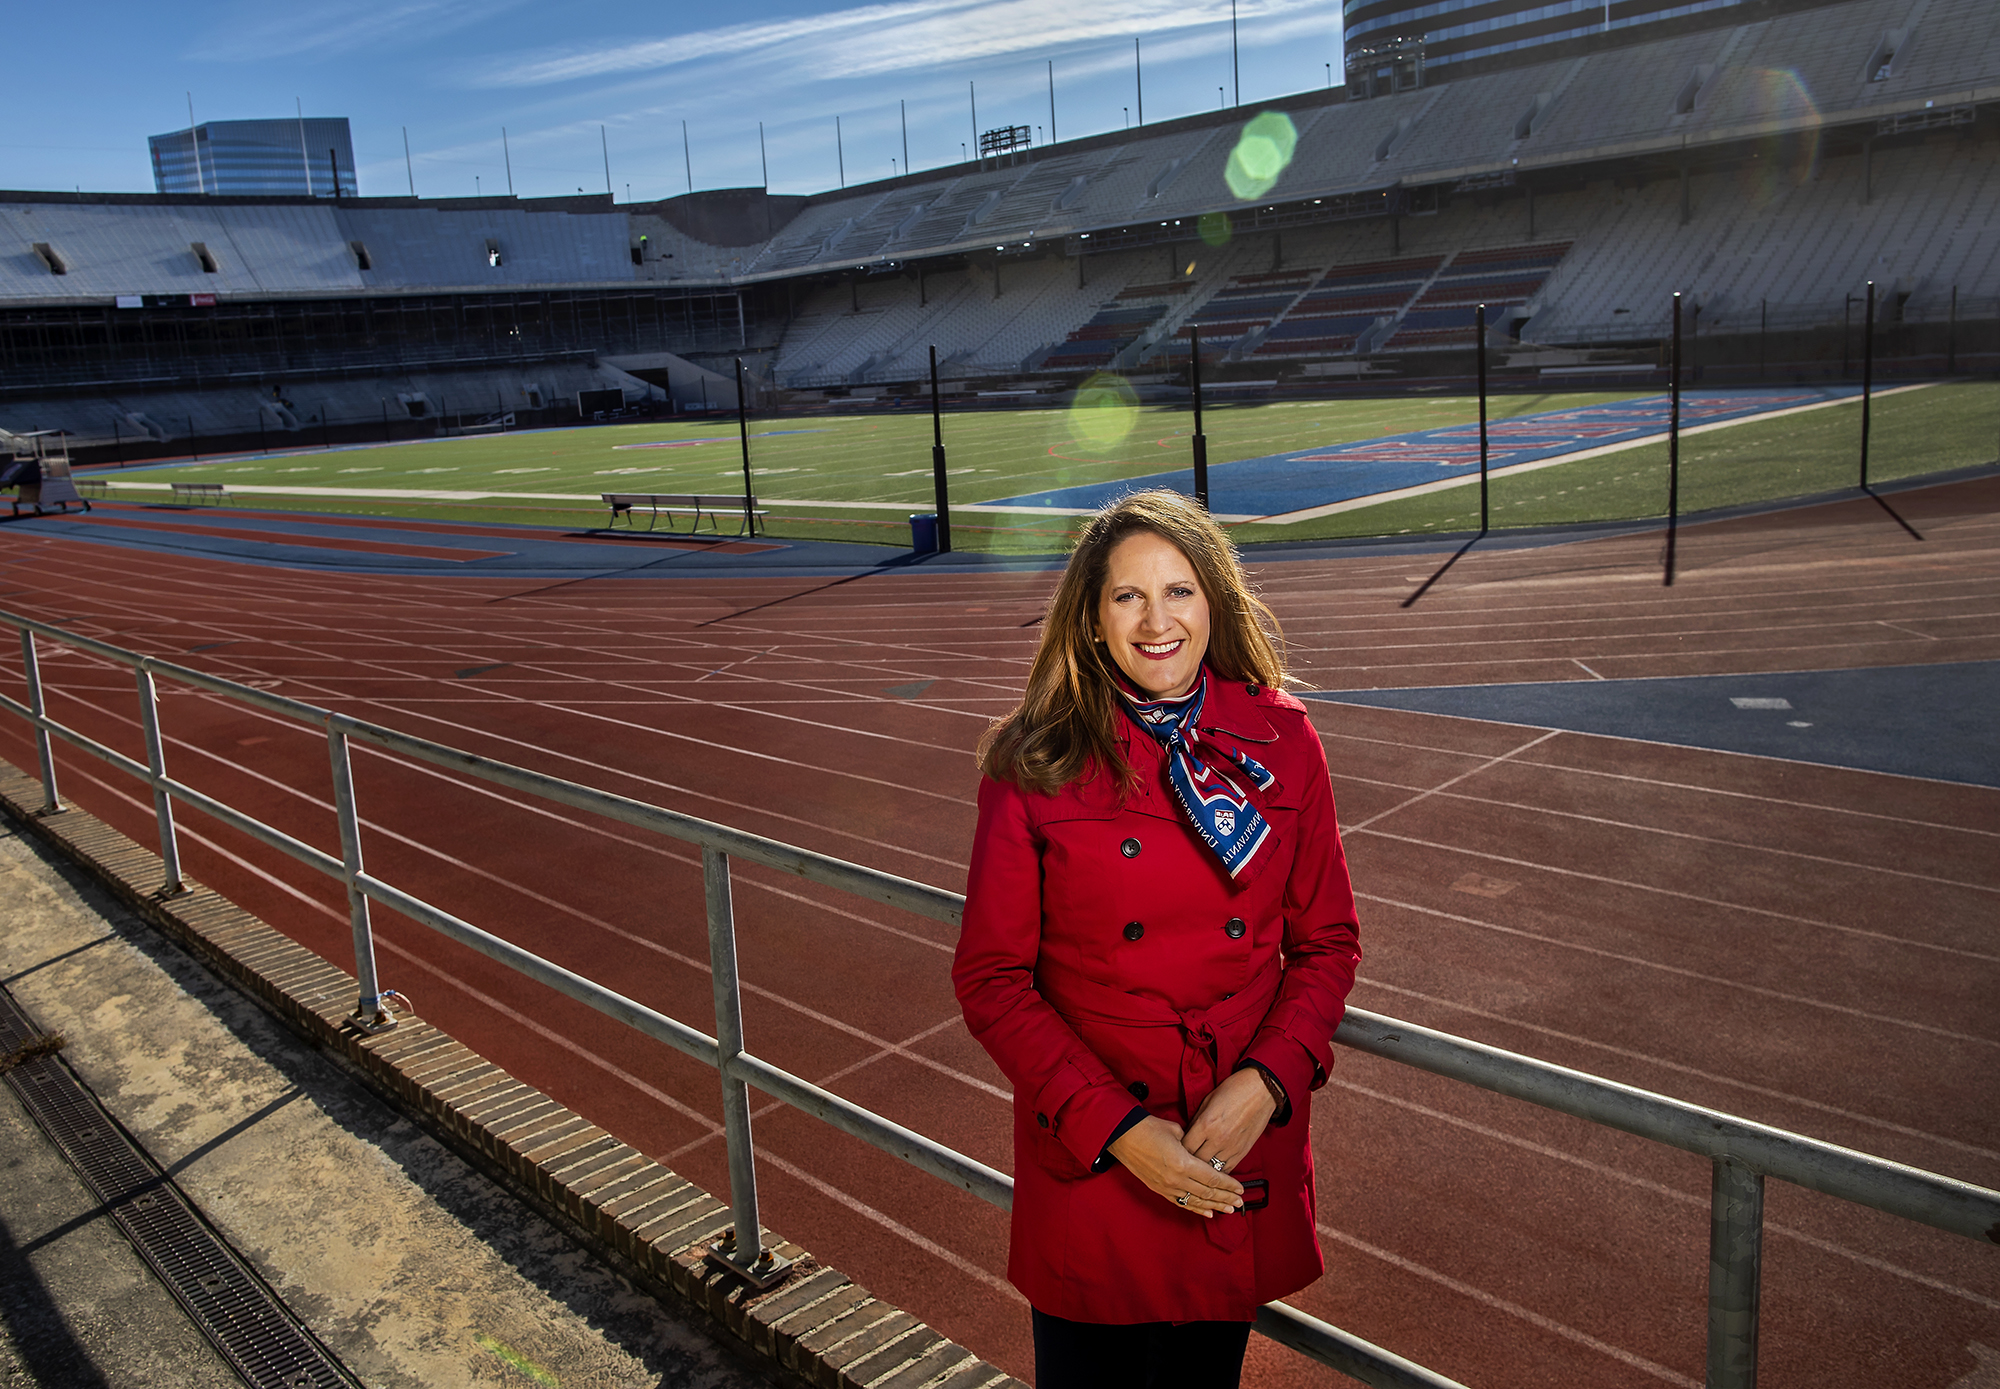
(1181, 1164)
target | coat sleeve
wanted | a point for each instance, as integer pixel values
(1064, 1084)
(1322, 939)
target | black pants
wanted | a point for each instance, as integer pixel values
(1147, 1355)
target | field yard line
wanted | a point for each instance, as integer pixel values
(283, 490)
(1314, 513)
(278, 490)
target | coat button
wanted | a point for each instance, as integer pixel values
(1138, 1089)
(1042, 1119)
(1250, 689)
(1235, 927)
(1130, 848)
(1134, 930)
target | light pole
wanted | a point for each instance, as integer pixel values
(1235, 72)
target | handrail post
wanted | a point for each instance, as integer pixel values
(1735, 1273)
(741, 1249)
(31, 663)
(156, 764)
(369, 1013)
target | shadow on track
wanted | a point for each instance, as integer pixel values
(1457, 555)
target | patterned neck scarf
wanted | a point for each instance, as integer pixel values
(1216, 805)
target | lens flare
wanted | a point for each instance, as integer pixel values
(1214, 228)
(1788, 156)
(1261, 155)
(1105, 411)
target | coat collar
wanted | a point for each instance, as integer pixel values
(1233, 708)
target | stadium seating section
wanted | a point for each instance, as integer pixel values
(1085, 256)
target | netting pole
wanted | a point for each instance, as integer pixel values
(937, 463)
(1674, 442)
(1950, 340)
(1479, 329)
(1200, 439)
(743, 432)
(1867, 375)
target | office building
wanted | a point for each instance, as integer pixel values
(312, 157)
(1456, 31)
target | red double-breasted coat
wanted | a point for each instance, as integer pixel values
(1107, 956)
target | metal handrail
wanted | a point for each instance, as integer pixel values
(1743, 1152)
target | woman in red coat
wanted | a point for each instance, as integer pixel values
(1159, 940)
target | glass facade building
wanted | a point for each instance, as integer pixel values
(1456, 30)
(287, 156)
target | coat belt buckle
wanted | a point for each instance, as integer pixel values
(1256, 1194)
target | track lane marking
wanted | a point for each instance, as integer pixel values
(1512, 1309)
(1470, 772)
(1694, 1072)
(1685, 1198)
(1798, 1000)
(1789, 804)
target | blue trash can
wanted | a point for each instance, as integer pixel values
(923, 533)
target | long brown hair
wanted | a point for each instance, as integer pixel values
(1063, 727)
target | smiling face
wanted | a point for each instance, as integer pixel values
(1152, 615)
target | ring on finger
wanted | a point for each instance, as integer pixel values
(1181, 1200)
(1216, 1163)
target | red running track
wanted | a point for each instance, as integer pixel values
(1804, 945)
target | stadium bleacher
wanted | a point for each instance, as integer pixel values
(1036, 265)
(1347, 301)
(1500, 277)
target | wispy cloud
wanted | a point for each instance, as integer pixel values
(876, 40)
(286, 31)
(727, 41)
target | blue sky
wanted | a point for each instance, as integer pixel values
(83, 97)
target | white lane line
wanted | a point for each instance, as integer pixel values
(1817, 807)
(657, 848)
(542, 748)
(893, 1226)
(392, 704)
(1798, 1000)
(1352, 621)
(1441, 786)
(1512, 1309)
(1693, 1072)
(1442, 484)
(894, 1049)
(1660, 1189)
(1685, 897)
(1586, 669)
(515, 1018)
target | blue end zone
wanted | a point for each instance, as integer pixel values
(1922, 721)
(1282, 482)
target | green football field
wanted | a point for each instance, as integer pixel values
(857, 477)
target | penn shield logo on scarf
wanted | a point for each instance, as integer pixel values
(1216, 805)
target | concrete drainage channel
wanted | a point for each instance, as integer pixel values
(242, 1318)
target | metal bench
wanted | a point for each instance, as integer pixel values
(694, 505)
(192, 493)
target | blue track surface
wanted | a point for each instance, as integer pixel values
(1282, 482)
(1922, 721)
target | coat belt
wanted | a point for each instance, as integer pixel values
(1201, 1065)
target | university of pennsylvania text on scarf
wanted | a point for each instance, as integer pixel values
(1218, 807)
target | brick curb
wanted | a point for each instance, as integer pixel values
(816, 1328)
